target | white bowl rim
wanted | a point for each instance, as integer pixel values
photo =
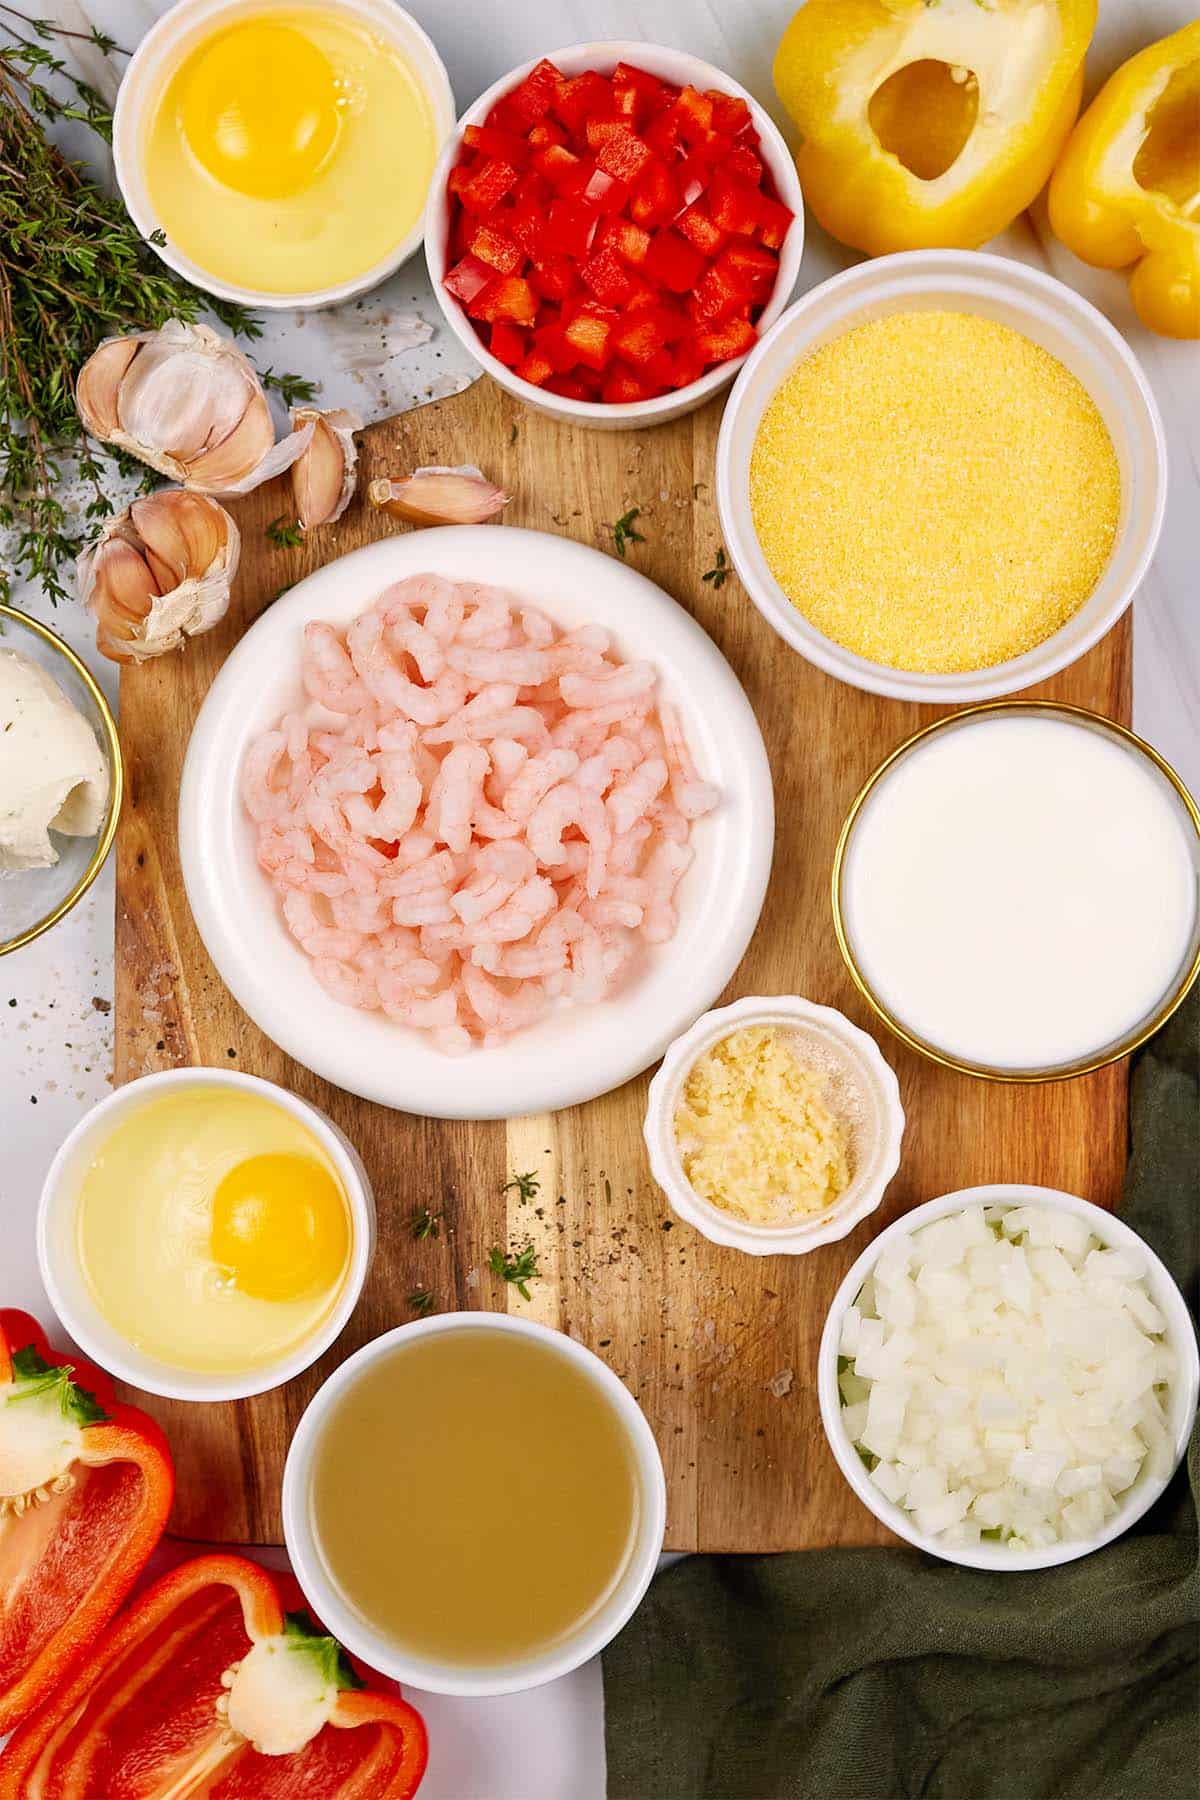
(740, 1234)
(129, 106)
(1000, 679)
(148, 1373)
(1111, 1229)
(485, 1083)
(446, 1678)
(775, 154)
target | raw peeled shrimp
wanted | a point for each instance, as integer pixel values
(474, 816)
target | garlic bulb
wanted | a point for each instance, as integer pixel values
(186, 401)
(160, 572)
(440, 497)
(323, 475)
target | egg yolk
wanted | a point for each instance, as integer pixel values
(260, 109)
(279, 1226)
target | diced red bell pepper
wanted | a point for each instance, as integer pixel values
(100, 1488)
(141, 1718)
(578, 97)
(497, 250)
(546, 132)
(488, 187)
(689, 364)
(655, 199)
(536, 368)
(752, 265)
(555, 277)
(730, 114)
(623, 155)
(528, 227)
(507, 297)
(459, 176)
(533, 190)
(735, 207)
(604, 191)
(744, 165)
(468, 278)
(641, 335)
(695, 225)
(651, 92)
(659, 372)
(629, 241)
(719, 343)
(508, 343)
(774, 219)
(534, 97)
(672, 261)
(693, 176)
(661, 133)
(581, 386)
(489, 140)
(570, 228)
(719, 294)
(601, 126)
(605, 275)
(622, 386)
(589, 332)
(565, 171)
(694, 115)
(550, 340)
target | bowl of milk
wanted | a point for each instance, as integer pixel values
(1016, 891)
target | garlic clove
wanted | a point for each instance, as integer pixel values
(234, 456)
(438, 496)
(160, 572)
(98, 384)
(323, 478)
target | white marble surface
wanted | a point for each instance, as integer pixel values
(55, 1038)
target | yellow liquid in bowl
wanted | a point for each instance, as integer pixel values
(213, 1231)
(289, 150)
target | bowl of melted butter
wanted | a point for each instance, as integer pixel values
(279, 152)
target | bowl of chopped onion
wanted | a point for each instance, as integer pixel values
(1008, 1377)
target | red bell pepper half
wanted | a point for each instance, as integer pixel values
(86, 1485)
(207, 1687)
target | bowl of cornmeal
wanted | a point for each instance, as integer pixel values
(941, 476)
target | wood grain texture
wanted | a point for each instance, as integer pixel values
(719, 1348)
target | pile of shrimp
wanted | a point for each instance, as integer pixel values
(475, 815)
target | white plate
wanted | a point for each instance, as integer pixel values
(573, 1054)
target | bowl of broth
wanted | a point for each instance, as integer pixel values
(474, 1504)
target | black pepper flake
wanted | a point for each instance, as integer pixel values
(101, 1005)
(668, 1224)
(231, 1053)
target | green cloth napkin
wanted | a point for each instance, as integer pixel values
(885, 1674)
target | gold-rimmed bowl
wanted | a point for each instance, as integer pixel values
(32, 900)
(1100, 1055)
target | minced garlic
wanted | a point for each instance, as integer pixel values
(755, 1133)
(934, 491)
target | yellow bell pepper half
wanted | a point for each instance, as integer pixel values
(1127, 186)
(930, 123)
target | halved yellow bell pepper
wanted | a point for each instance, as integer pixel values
(930, 124)
(1127, 186)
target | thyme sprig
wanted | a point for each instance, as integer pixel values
(624, 531)
(519, 1269)
(73, 271)
(526, 1185)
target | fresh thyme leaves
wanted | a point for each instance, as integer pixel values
(519, 1269)
(73, 271)
(158, 237)
(623, 532)
(284, 533)
(719, 573)
(424, 1224)
(526, 1185)
(290, 388)
(422, 1302)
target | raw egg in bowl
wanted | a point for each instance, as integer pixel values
(279, 152)
(204, 1234)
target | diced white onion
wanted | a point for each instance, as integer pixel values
(1003, 1374)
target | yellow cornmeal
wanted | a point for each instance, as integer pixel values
(934, 491)
(754, 1132)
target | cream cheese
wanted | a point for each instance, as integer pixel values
(53, 776)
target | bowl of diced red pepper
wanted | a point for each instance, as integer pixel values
(611, 230)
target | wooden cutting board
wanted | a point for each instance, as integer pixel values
(719, 1348)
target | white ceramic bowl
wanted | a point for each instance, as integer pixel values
(1042, 309)
(58, 1255)
(572, 1054)
(160, 51)
(1179, 1333)
(380, 1651)
(675, 66)
(863, 1090)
